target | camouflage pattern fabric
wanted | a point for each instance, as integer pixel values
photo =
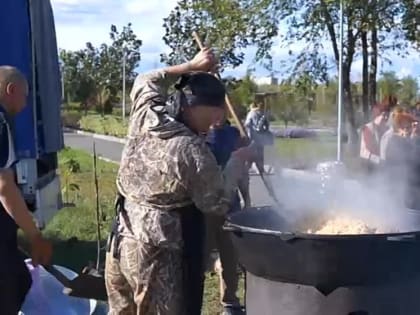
(139, 285)
(164, 167)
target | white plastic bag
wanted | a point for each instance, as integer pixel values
(46, 296)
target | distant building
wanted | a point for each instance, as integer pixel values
(270, 80)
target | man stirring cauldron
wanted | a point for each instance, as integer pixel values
(167, 179)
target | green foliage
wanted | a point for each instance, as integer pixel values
(79, 221)
(228, 25)
(411, 21)
(326, 99)
(406, 89)
(69, 167)
(107, 125)
(241, 93)
(408, 93)
(288, 104)
(389, 84)
(93, 75)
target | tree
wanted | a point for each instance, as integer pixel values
(242, 92)
(307, 87)
(326, 100)
(411, 22)
(288, 104)
(228, 25)
(390, 24)
(315, 22)
(408, 91)
(94, 74)
(389, 84)
(365, 75)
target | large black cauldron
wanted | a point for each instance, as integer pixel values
(268, 249)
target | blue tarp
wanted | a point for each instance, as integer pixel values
(16, 17)
(48, 76)
(16, 51)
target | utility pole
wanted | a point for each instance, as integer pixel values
(340, 84)
(63, 97)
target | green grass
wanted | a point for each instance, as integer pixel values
(107, 125)
(304, 153)
(73, 229)
(112, 125)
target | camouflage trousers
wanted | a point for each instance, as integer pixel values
(144, 280)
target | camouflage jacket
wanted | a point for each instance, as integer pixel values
(165, 166)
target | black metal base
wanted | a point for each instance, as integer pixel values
(264, 297)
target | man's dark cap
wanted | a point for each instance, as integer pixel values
(201, 88)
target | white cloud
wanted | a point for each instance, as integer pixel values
(61, 2)
(155, 8)
(80, 21)
(404, 72)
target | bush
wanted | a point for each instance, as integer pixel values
(107, 125)
(71, 119)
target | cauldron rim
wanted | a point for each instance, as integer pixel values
(289, 235)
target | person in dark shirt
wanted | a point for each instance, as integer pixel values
(15, 280)
(223, 140)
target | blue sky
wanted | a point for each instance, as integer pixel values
(79, 21)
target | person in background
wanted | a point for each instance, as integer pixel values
(371, 135)
(396, 112)
(413, 194)
(397, 153)
(167, 180)
(390, 131)
(258, 129)
(416, 111)
(393, 147)
(223, 140)
(15, 279)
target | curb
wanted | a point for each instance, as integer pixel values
(95, 135)
(107, 160)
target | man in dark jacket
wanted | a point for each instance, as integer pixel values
(223, 140)
(15, 280)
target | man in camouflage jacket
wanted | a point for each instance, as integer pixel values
(166, 167)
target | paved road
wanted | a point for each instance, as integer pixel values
(107, 149)
(112, 151)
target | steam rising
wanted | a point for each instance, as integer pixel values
(328, 193)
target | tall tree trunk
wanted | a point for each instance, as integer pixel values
(365, 79)
(373, 67)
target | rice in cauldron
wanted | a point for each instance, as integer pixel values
(346, 226)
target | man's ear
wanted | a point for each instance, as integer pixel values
(10, 88)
